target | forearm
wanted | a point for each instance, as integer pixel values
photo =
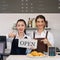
(49, 44)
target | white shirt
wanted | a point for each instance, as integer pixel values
(25, 36)
(43, 35)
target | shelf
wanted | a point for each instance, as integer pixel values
(32, 28)
(36, 28)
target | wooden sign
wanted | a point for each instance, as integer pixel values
(28, 43)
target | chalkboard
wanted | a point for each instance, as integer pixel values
(29, 6)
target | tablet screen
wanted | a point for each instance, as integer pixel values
(2, 47)
(3, 39)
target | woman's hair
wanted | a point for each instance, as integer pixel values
(24, 23)
(42, 17)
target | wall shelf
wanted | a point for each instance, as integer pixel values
(32, 28)
(36, 28)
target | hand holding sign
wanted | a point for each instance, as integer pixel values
(28, 43)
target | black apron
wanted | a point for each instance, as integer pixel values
(15, 50)
(41, 47)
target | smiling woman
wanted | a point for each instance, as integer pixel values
(21, 26)
(44, 37)
(21, 35)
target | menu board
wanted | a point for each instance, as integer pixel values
(29, 6)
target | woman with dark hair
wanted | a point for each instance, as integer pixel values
(21, 34)
(44, 37)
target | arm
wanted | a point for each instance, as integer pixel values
(28, 50)
(11, 35)
(50, 40)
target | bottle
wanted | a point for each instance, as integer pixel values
(29, 23)
(33, 23)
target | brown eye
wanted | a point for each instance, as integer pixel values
(42, 21)
(18, 25)
(22, 25)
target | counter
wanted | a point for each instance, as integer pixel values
(24, 57)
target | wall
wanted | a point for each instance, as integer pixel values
(7, 21)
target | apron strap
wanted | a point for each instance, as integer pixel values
(25, 37)
(46, 34)
(14, 37)
(33, 34)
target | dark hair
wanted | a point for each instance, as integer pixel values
(42, 17)
(24, 23)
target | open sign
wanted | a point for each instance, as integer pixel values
(27, 43)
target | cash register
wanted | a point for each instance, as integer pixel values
(2, 50)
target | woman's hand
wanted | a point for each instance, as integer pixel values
(11, 35)
(32, 47)
(45, 41)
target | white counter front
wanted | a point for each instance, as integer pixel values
(24, 57)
